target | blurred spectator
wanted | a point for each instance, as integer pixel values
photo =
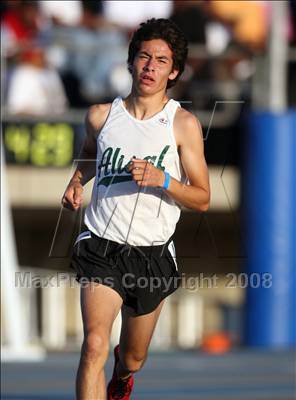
(34, 88)
(292, 6)
(130, 14)
(209, 77)
(19, 25)
(93, 56)
(246, 19)
(191, 18)
(194, 18)
(64, 13)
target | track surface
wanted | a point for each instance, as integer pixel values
(177, 375)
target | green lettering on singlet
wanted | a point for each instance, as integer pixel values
(105, 161)
(128, 164)
(107, 180)
(161, 157)
(110, 157)
(151, 158)
(114, 158)
(120, 169)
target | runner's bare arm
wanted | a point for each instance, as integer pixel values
(189, 138)
(86, 166)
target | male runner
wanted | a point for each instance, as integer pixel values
(144, 146)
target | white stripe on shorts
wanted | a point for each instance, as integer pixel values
(82, 236)
(172, 250)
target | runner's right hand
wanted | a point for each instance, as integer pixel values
(72, 198)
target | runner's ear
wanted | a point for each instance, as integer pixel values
(173, 74)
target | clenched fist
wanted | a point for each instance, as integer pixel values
(145, 173)
(72, 198)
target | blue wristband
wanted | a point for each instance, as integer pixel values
(167, 180)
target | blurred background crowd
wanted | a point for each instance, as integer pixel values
(58, 55)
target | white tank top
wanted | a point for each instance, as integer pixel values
(120, 210)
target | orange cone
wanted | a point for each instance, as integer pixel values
(217, 343)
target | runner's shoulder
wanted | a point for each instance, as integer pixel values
(185, 121)
(185, 117)
(96, 116)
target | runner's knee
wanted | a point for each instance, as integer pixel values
(134, 361)
(95, 346)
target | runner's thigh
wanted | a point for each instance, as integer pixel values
(100, 305)
(137, 331)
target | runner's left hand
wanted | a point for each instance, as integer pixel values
(145, 173)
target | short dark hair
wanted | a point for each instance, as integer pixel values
(166, 30)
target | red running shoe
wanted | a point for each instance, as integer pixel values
(119, 389)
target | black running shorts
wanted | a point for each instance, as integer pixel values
(142, 275)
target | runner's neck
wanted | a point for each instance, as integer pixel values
(144, 107)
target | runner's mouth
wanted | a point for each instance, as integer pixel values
(146, 79)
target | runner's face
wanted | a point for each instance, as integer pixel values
(153, 66)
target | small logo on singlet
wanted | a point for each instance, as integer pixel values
(163, 121)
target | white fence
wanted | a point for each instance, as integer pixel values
(50, 305)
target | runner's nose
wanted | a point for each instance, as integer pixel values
(149, 66)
